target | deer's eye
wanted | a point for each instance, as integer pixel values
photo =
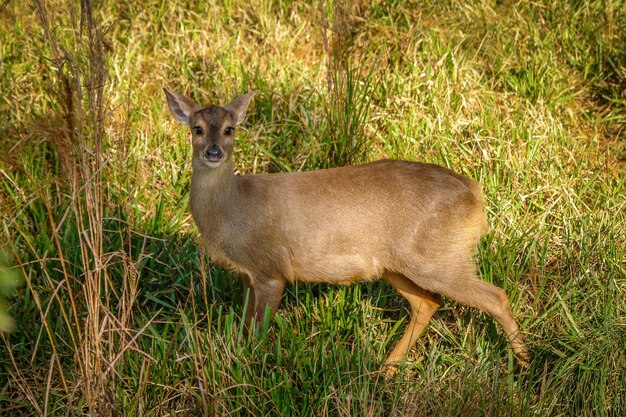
(198, 130)
(229, 131)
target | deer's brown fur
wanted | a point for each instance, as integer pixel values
(415, 224)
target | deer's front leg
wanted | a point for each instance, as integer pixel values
(261, 295)
(248, 302)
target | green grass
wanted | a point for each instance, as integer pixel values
(120, 312)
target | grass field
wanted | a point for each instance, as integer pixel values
(119, 313)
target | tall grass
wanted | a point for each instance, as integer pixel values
(83, 311)
(120, 312)
(343, 135)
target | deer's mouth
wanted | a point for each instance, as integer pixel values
(213, 154)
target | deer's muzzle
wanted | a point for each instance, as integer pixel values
(213, 154)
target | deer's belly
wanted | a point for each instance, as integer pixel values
(337, 269)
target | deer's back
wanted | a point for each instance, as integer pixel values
(351, 223)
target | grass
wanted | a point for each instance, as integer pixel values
(119, 311)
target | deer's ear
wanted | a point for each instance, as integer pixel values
(239, 106)
(181, 107)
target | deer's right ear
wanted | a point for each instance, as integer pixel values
(182, 107)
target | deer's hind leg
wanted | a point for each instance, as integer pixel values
(460, 283)
(423, 305)
(474, 292)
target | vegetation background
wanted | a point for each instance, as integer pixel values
(117, 310)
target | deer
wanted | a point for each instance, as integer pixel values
(417, 225)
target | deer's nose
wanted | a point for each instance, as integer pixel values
(213, 153)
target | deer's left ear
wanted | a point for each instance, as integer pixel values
(238, 107)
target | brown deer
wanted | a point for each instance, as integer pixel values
(415, 224)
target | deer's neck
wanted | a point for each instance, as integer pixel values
(213, 194)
